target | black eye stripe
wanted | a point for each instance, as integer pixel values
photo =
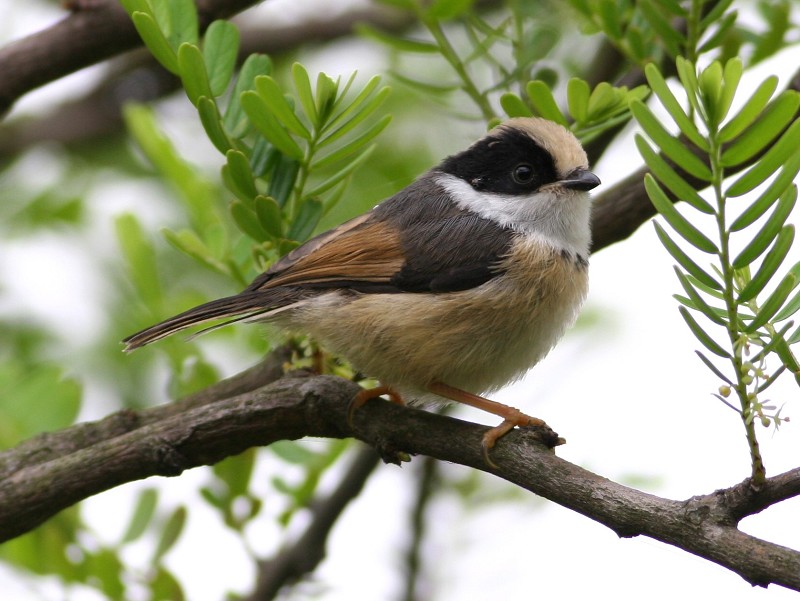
(498, 164)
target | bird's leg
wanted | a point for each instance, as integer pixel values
(366, 394)
(511, 417)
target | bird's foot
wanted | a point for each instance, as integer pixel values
(367, 394)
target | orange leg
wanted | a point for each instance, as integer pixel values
(368, 394)
(511, 416)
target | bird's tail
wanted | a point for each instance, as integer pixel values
(243, 306)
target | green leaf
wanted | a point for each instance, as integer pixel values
(668, 143)
(238, 176)
(789, 308)
(325, 96)
(787, 357)
(360, 102)
(259, 113)
(212, 124)
(688, 76)
(306, 220)
(293, 452)
(165, 586)
(762, 204)
(193, 72)
(715, 13)
(769, 266)
(445, 10)
(698, 301)
(671, 37)
(684, 260)
(355, 144)
(514, 106)
(271, 93)
(713, 368)
(750, 111)
(155, 41)
(732, 76)
(220, 49)
(171, 532)
(710, 82)
(578, 98)
(269, 215)
(34, 399)
(142, 515)
(394, 42)
(248, 222)
(304, 93)
(701, 334)
(544, 103)
(668, 100)
(254, 65)
(773, 303)
(675, 219)
(785, 149)
(360, 108)
(141, 259)
(183, 27)
(602, 101)
(771, 123)
(236, 472)
(341, 174)
(608, 11)
(721, 34)
(187, 242)
(132, 6)
(669, 177)
(284, 177)
(767, 233)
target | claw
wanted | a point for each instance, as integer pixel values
(367, 394)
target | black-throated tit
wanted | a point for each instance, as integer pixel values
(453, 287)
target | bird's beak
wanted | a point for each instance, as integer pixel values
(580, 179)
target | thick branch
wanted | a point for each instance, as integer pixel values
(93, 32)
(138, 77)
(295, 407)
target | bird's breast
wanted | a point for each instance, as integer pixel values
(478, 339)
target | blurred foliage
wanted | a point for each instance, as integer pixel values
(296, 153)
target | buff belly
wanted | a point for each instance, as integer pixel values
(477, 340)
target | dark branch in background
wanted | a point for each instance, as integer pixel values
(295, 407)
(426, 480)
(93, 32)
(138, 77)
(303, 556)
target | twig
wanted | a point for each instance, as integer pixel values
(302, 557)
(427, 479)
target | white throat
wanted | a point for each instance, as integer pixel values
(559, 217)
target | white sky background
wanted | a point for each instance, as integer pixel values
(629, 395)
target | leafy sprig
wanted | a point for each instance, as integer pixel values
(285, 167)
(739, 294)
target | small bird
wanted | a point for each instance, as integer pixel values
(453, 287)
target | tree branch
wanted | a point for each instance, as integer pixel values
(303, 556)
(138, 77)
(94, 31)
(295, 406)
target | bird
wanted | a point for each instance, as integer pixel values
(448, 290)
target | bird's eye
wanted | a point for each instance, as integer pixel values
(523, 174)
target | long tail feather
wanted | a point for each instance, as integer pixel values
(240, 307)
